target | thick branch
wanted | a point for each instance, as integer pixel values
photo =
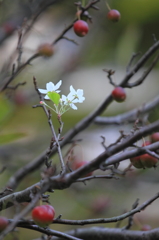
(130, 116)
(61, 182)
(101, 233)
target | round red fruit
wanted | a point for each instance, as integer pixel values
(77, 164)
(146, 227)
(114, 15)
(46, 50)
(80, 28)
(49, 207)
(43, 215)
(136, 162)
(3, 223)
(146, 143)
(119, 94)
(148, 161)
(155, 137)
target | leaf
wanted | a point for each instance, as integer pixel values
(54, 96)
(10, 137)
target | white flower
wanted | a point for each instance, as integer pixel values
(50, 87)
(68, 100)
(77, 95)
(73, 97)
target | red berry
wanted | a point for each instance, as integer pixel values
(43, 215)
(46, 50)
(100, 204)
(136, 162)
(80, 28)
(114, 15)
(155, 137)
(146, 143)
(146, 227)
(77, 164)
(3, 223)
(148, 161)
(49, 207)
(119, 94)
(9, 27)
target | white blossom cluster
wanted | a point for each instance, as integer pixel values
(62, 103)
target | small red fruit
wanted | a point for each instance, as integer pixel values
(80, 28)
(146, 143)
(77, 164)
(136, 162)
(114, 15)
(3, 223)
(43, 215)
(46, 50)
(146, 227)
(49, 207)
(148, 161)
(155, 137)
(119, 94)
(100, 204)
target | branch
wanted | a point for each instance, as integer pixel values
(64, 181)
(130, 116)
(46, 231)
(61, 36)
(56, 138)
(145, 74)
(95, 233)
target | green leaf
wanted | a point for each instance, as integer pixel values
(10, 137)
(54, 96)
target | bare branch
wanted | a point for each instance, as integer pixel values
(129, 116)
(94, 233)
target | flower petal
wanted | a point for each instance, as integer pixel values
(43, 91)
(46, 97)
(79, 92)
(50, 87)
(57, 85)
(73, 106)
(63, 98)
(72, 90)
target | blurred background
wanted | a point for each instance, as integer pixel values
(25, 132)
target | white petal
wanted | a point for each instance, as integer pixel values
(58, 85)
(43, 91)
(76, 100)
(81, 99)
(50, 87)
(46, 97)
(79, 92)
(63, 98)
(73, 106)
(70, 97)
(72, 90)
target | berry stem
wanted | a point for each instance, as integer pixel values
(108, 6)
